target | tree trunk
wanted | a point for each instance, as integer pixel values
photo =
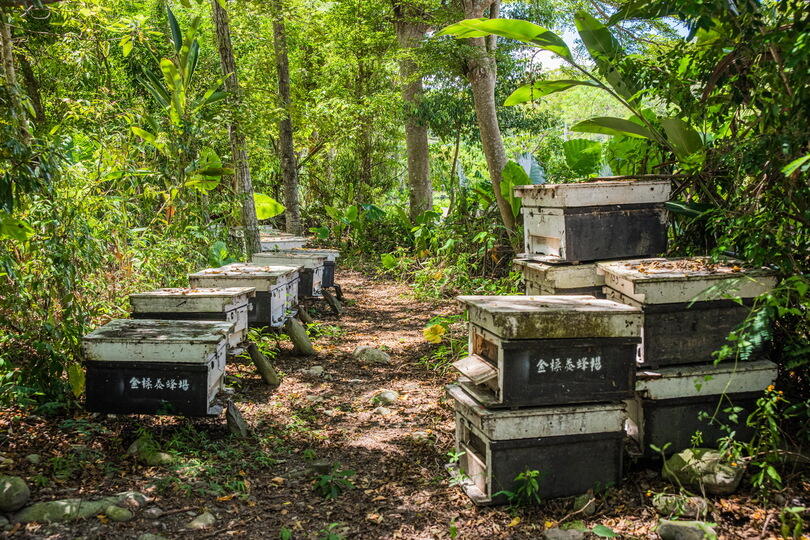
(482, 72)
(289, 170)
(10, 80)
(410, 33)
(243, 181)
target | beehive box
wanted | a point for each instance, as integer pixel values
(687, 313)
(544, 278)
(549, 350)
(312, 265)
(229, 304)
(591, 221)
(276, 289)
(329, 264)
(673, 404)
(274, 242)
(575, 448)
(144, 366)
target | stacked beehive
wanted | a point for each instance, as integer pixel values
(170, 357)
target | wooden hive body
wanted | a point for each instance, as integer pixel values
(329, 265)
(228, 304)
(535, 350)
(542, 278)
(271, 242)
(145, 366)
(311, 274)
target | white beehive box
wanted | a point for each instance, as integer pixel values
(276, 289)
(226, 304)
(274, 242)
(576, 448)
(673, 404)
(311, 279)
(589, 221)
(686, 303)
(145, 366)
(542, 278)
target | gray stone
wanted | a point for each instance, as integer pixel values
(14, 493)
(386, 397)
(71, 509)
(3, 521)
(681, 505)
(146, 451)
(703, 468)
(371, 355)
(236, 424)
(585, 505)
(383, 411)
(154, 512)
(315, 371)
(116, 513)
(33, 459)
(685, 530)
(561, 534)
(150, 536)
(321, 466)
(203, 521)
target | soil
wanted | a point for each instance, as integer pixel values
(259, 486)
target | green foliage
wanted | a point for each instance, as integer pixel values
(526, 489)
(333, 483)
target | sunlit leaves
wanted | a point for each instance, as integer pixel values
(582, 155)
(16, 229)
(536, 90)
(266, 206)
(683, 138)
(510, 28)
(434, 333)
(612, 126)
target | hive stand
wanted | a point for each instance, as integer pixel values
(687, 313)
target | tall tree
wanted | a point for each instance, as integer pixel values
(410, 26)
(481, 70)
(242, 179)
(286, 149)
(10, 79)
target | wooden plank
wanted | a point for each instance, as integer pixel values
(708, 380)
(475, 368)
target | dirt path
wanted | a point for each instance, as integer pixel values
(262, 486)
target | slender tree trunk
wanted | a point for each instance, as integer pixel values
(482, 72)
(289, 170)
(410, 33)
(10, 79)
(244, 183)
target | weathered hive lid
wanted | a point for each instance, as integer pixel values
(706, 380)
(281, 241)
(595, 193)
(262, 278)
(553, 317)
(500, 425)
(307, 260)
(672, 281)
(569, 276)
(190, 299)
(330, 254)
(147, 340)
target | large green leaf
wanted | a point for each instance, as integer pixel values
(683, 138)
(612, 126)
(16, 229)
(606, 52)
(267, 207)
(794, 165)
(177, 35)
(513, 175)
(539, 89)
(582, 155)
(510, 28)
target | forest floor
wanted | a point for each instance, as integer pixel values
(263, 486)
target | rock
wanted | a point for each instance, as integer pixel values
(236, 424)
(116, 513)
(146, 451)
(421, 437)
(315, 371)
(386, 397)
(321, 466)
(14, 493)
(703, 468)
(3, 522)
(71, 509)
(561, 534)
(685, 530)
(585, 505)
(154, 512)
(33, 459)
(382, 411)
(371, 355)
(159, 458)
(150, 536)
(681, 505)
(203, 521)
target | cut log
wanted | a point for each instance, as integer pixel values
(339, 292)
(304, 315)
(333, 302)
(263, 365)
(299, 337)
(236, 424)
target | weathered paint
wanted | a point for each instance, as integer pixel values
(706, 380)
(173, 300)
(549, 317)
(261, 278)
(289, 258)
(271, 242)
(595, 193)
(668, 287)
(542, 278)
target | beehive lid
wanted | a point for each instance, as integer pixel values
(307, 260)
(191, 300)
(138, 340)
(595, 193)
(331, 254)
(569, 276)
(262, 278)
(706, 380)
(670, 281)
(501, 425)
(553, 317)
(280, 241)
